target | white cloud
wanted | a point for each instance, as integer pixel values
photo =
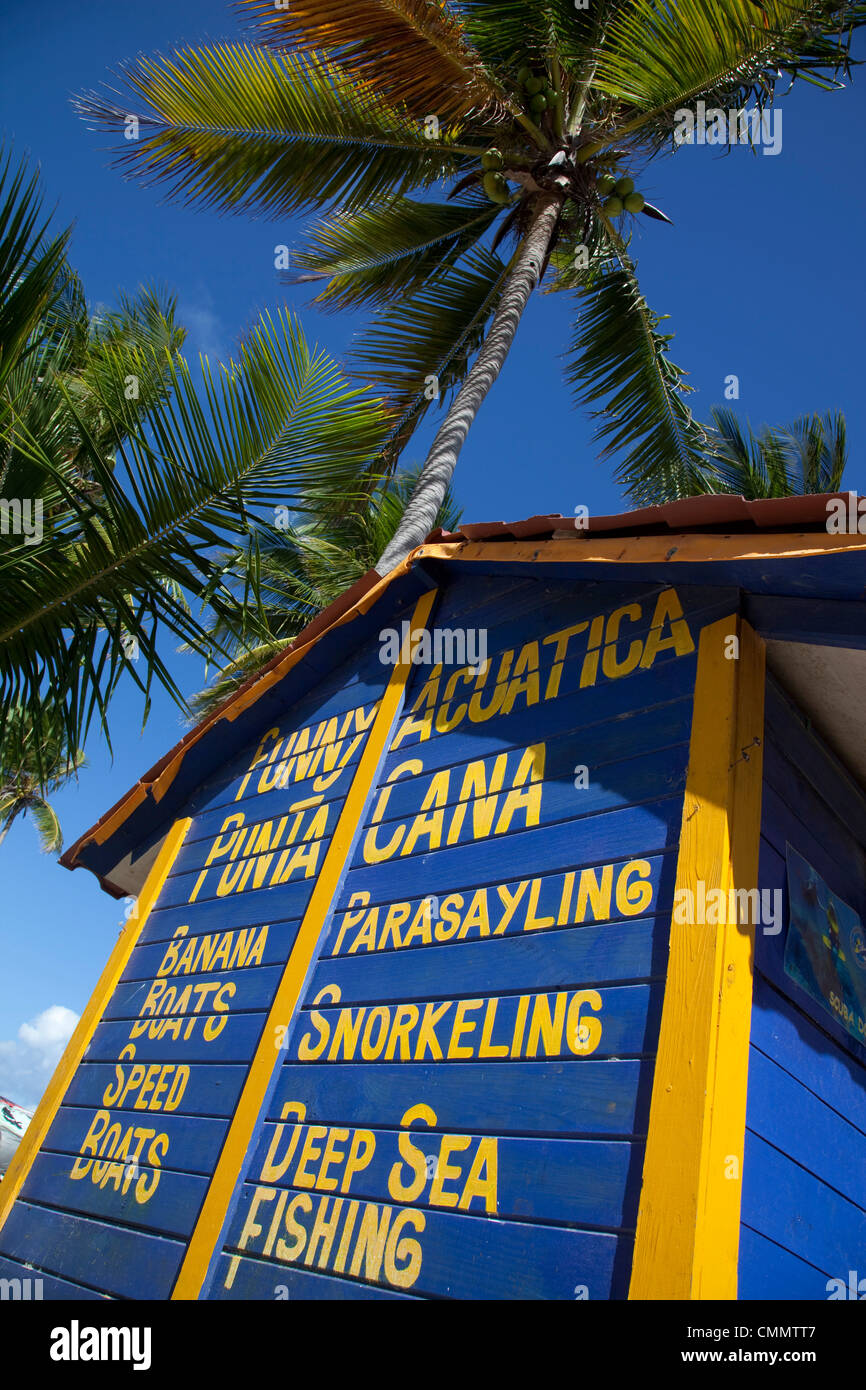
(26, 1062)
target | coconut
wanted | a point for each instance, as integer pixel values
(495, 187)
(634, 202)
(624, 187)
(605, 184)
(534, 85)
(612, 206)
(538, 102)
(492, 159)
(524, 75)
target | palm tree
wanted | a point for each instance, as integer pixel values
(26, 783)
(138, 497)
(781, 461)
(299, 570)
(521, 115)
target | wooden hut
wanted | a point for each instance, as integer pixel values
(503, 939)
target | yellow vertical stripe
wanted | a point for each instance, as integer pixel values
(687, 1238)
(34, 1135)
(229, 1166)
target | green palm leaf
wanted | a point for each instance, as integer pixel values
(397, 243)
(113, 572)
(619, 360)
(244, 130)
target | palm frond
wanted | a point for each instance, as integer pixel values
(620, 358)
(111, 573)
(244, 130)
(418, 349)
(391, 247)
(30, 267)
(413, 53)
(658, 57)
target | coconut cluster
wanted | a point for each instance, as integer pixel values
(493, 183)
(619, 195)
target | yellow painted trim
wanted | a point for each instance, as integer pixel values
(643, 550)
(34, 1135)
(231, 1160)
(687, 1239)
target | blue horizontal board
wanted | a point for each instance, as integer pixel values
(798, 1211)
(195, 854)
(211, 1089)
(585, 705)
(113, 1259)
(814, 761)
(783, 1033)
(456, 1256)
(331, 784)
(613, 742)
(784, 1112)
(239, 1277)
(233, 912)
(767, 1270)
(178, 889)
(34, 1285)
(569, 1181)
(563, 958)
(210, 943)
(236, 1042)
(609, 788)
(180, 996)
(193, 1145)
(574, 1097)
(547, 849)
(171, 1205)
(600, 893)
(622, 1020)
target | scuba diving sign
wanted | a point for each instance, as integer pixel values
(825, 953)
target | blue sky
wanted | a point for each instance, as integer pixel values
(761, 276)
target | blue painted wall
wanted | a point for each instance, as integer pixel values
(804, 1175)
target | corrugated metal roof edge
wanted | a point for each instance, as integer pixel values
(722, 510)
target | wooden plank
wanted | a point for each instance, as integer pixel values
(27, 1284)
(272, 905)
(792, 1207)
(238, 1037)
(650, 828)
(252, 988)
(786, 1114)
(146, 961)
(618, 1021)
(152, 1199)
(453, 1256)
(570, 1098)
(688, 1224)
(562, 958)
(193, 1143)
(767, 1271)
(783, 1033)
(112, 1259)
(262, 1279)
(585, 895)
(87, 1024)
(578, 1182)
(211, 1089)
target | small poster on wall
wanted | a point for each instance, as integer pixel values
(825, 952)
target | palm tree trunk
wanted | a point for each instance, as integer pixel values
(419, 517)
